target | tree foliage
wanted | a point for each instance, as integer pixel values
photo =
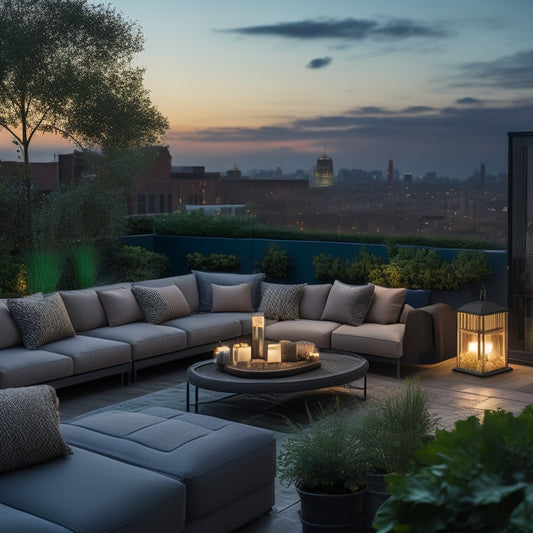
(66, 68)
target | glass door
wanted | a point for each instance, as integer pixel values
(520, 246)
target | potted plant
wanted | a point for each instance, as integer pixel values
(477, 477)
(323, 463)
(389, 434)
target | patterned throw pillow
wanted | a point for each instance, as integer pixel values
(281, 302)
(348, 304)
(41, 321)
(29, 427)
(159, 304)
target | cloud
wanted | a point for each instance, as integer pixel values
(319, 62)
(469, 101)
(347, 29)
(508, 72)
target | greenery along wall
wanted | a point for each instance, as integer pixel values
(251, 253)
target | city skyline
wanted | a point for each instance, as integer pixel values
(435, 87)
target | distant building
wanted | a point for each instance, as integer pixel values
(323, 176)
(390, 175)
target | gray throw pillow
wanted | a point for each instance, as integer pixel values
(205, 279)
(41, 321)
(386, 306)
(232, 298)
(348, 304)
(159, 304)
(120, 306)
(29, 427)
(281, 302)
(9, 333)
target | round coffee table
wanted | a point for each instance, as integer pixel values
(335, 369)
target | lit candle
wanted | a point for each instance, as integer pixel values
(244, 354)
(274, 353)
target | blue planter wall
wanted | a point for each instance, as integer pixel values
(252, 251)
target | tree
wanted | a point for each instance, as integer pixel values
(66, 69)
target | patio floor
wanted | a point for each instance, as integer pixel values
(453, 396)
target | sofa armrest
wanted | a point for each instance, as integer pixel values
(430, 334)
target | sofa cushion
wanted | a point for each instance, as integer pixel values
(208, 328)
(159, 304)
(316, 331)
(386, 305)
(205, 279)
(19, 367)
(14, 520)
(213, 457)
(90, 354)
(120, 306)
(84, 308)
(314, 300)
(348, 304)
(9, 333)
(41, 321)
(29, 427)
(186, 284)
(88, 492)
(385, 340)
(281, 302)
(232, 298)
(145, 340)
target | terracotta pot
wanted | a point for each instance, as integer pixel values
(342, 513)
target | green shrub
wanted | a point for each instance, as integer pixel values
(134, 263)
(276, 263)
(213, 262)
(12, 276)
(396, 427)
(85, 263)
(197, 223)
(414, 268)
(477, 477)
(44, 270)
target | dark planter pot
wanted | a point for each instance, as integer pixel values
(375, 495)
(341, 513)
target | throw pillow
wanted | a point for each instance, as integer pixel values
(159, 304)
(386, 306)
(84, 308)
(232, 298)
(9, 333)
(281, 302)
(29, 427)
(120, 306)
(205, 279)
(348, 304)
(314, 300)
(41, 321)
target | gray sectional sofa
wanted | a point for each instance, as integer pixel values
(154, 469)
(74, 336)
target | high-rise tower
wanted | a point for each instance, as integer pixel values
(390, 174)
(323, 176)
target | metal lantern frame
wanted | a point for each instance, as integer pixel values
(482, 339)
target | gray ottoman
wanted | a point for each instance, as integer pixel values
(228, 468)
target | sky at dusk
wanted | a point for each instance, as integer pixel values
(431, 85)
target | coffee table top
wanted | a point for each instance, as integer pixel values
(335, 369)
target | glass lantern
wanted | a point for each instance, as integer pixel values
(258, 336)
(482, 339)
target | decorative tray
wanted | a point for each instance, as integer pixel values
(258, 368)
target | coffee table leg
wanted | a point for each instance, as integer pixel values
(196, 399)
(187, 401)
(364, 390)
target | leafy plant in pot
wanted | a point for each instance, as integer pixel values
(323, 463)
(477, 477)
(389, 435)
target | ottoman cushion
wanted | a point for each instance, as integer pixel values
(219, 461)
